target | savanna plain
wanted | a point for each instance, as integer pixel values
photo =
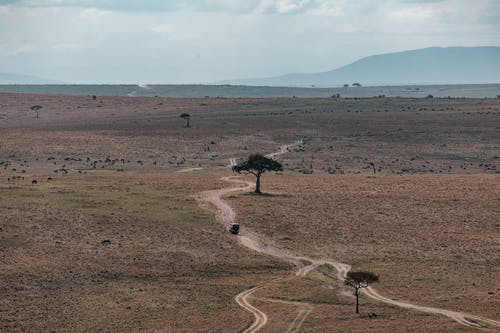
(103, 227)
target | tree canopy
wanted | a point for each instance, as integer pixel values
(36, 108)
(359, 280)
(187, 117)
(257, 164)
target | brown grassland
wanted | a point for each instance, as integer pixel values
(115, 240)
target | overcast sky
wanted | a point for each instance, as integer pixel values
(199, 41)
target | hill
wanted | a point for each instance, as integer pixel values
(434, 65)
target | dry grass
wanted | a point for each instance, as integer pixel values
(433, 239)
(431, 233)
(169, 265)
(398, 135)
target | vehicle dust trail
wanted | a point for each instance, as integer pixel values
(140, 86)
(226, 216)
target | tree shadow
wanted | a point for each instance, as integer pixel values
(267, 195)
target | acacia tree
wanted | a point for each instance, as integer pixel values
(187, 117)
(373, 166)
(36, 108)
(257, 164)
(358, 281)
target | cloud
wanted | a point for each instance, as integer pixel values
(8, 51)
(422, 1)
(163, 29)
(412, 14)
(228, 6)
(66, 47)
(94, 12)
(285, 6)
(140, 5)
(158, 41)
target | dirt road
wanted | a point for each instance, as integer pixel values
(285, 149)
(226, 216)
(260, 317)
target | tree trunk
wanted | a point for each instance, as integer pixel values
(187, 124)
(257, 185)
(357, 301)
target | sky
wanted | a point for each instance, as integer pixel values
(203, 41)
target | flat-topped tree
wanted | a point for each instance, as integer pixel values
(359, 280)
(257, 164)
(36, 108)
(187, 117)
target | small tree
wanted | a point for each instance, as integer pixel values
(36, 108)
(358, 281)
(373, 166)
(187, 117)
(256, 165)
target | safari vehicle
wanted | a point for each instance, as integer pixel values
(234, 228)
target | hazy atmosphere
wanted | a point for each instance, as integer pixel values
(252, 166)
(204, 41)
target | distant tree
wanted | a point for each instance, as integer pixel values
(37, 109)
(373, 166)
(356, 84)
(187, 117)
(346, 85)
(498, 96)
(257, 164)
(359, 280)
(429, 96)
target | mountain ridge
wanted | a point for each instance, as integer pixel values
(432, 65)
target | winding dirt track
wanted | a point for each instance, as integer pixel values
(260, 317)
(226, 216)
